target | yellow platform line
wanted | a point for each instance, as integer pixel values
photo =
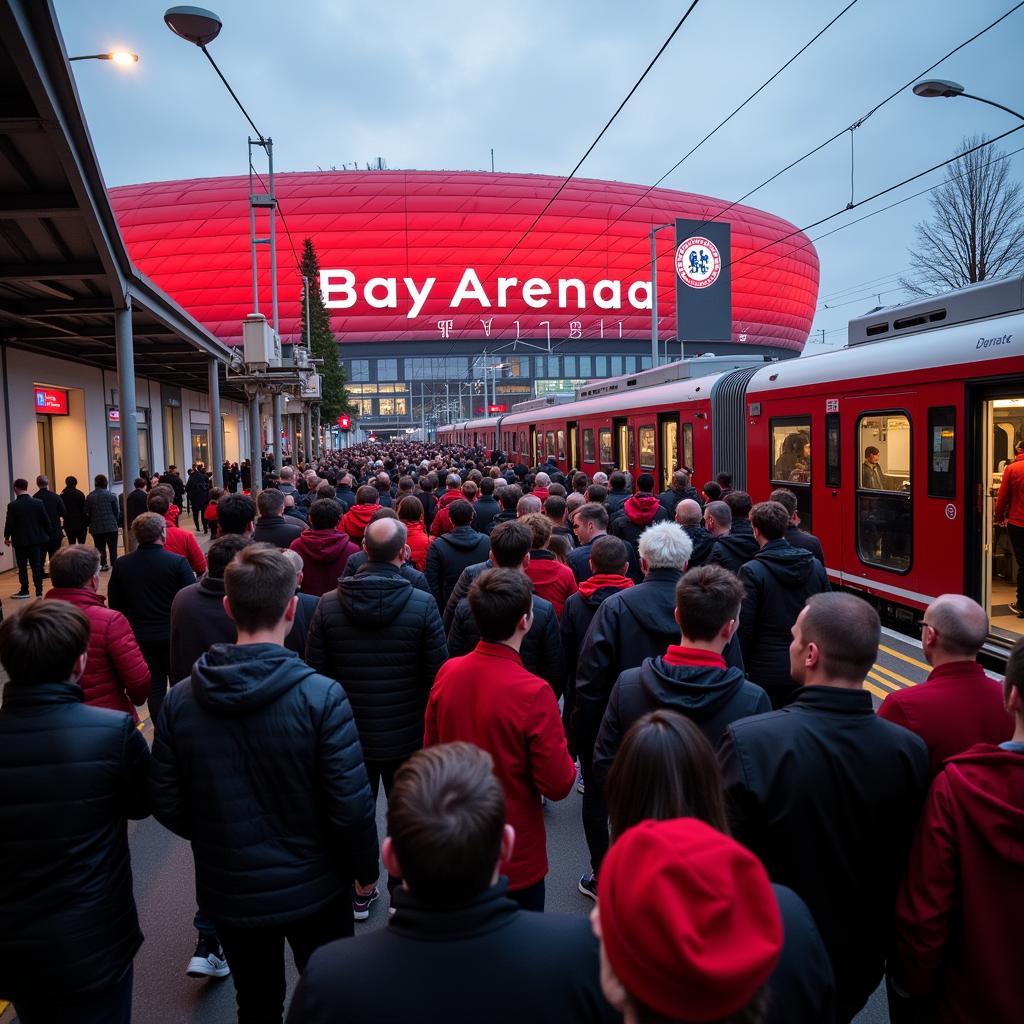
(903, 680)
(882, 681)
(880, 694)
(904, 657)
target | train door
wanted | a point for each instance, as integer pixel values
(534, 461)
(620, 439)
(1001, 428)
(574, 445)
(668, 446)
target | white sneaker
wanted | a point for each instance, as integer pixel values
(208, 961)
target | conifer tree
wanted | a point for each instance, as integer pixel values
(322, 341)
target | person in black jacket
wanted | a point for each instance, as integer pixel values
(136, 502)
(778, 582)
(486, 507)
(103, 513)
(383, 640)
(689, 515)
(75, 521)
(173, 478)
(71, 775)
(456, 940)
(679, 489)
(797, 537)
(590, 521)
(450, 553)
(358, 559)
(142, 587)
(198, 490)
(734, 540)
(692, 677)
(256, 761)
(618, 493)
(824, 790)
(344, 495)
(27, 528)
(54, 511)
(273, 527)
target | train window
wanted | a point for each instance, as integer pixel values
(884, 521)
(588, 445)
(688, 446)
(646, 443)
(833, 450)
(561, 444)
(942, 452)
(550, 450)
(604, 442)
(515, 439)
(791, 450)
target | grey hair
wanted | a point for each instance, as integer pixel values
(665, 546)
(542, 480)
(527, 505)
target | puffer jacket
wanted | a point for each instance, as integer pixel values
(116, 675)
(449, 554)
(551, 579)
(697, 684)
(382, 639)
(442, 521)
(419, 542)
(408, 570)
(70, 777)
(355, 521)
(102, 512)
(256, 761)
(324, 554)
(778, 582)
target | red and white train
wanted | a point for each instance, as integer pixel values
(894, 445)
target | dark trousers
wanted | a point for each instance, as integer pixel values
(1016, 535)
(157, 654)
(530, 898)
(256, 956)
(198, 515)
(53, 545)
(105, 542)
(29, 556)
(112, 1005)
(384, 771)
(76, 534)
(595, 810)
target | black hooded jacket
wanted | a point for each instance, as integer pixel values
(778, 583)
(359, 558)
(449, 554)
(734, 549)
(670, 498)
(703, 543)
(712, 698)
(70, 777)
(256, 761)
(382, 639)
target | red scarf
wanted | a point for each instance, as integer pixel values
(693, 656)
(604, 579)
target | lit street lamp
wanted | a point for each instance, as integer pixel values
(122, 57)
(935, 88)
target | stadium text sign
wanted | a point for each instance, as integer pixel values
(341, 290)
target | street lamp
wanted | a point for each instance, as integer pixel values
(935, 88)
(654, 293)
(122, 57)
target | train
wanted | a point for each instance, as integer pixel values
(894, 445)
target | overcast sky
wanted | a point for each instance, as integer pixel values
(436, 85)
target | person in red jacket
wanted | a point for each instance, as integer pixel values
(1010, 513)
(324, 548)
(958, 705)
(553, 580)
(179, 541)
(410, 511)
(541, 483)
(355, 521)
(487, 698)
(442, 520)
(115, 673)
(961, 903)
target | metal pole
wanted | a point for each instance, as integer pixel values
(307, 434)
(128, 417)
(255, 443)
(216, 444)
(654, 299)
(252, 238)
(268, 145)
(276, 417)
(423, 413)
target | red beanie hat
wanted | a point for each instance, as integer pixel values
(689, 920)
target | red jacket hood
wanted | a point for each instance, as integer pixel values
(357, 516)
(323, 545)
(989, 785)
(641, 509)
(448, 497)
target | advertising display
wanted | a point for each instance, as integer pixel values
(51, 402)
(703, 269)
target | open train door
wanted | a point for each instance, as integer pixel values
(574, 445)
(534, 461)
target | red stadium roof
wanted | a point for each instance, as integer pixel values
(192, 238)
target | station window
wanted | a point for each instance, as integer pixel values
(392, 407)
(600, 366)
(387, 369)
(588, 445)
(359, 369)
(561, 444)
(833, 450)
(586, 366)
(884, 521)
(791, 450)
(942, 452)
(645, 437)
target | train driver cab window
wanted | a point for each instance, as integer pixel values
(605, 444)
(588, 445)
(645, 438)
(884, 522)
(791, 451)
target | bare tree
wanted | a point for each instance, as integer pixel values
(976, 228)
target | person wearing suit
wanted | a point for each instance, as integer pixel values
(55, 510)
(27, 528)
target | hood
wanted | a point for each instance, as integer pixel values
(988, 783)
(790, 566)
(464, 538)
(697, 691)
(603, 581)
(81, 597)
(448, 497)
(743, 547)
(235, 680)
(323, 545)
(375, 596)
(641, 509)
(359, 515)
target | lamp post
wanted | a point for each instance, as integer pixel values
(123, 57)
(935, 88)
(654, 292)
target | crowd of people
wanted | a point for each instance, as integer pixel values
(476, 638)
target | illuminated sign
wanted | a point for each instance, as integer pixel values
(51, 402)
(345, 422)
(497, 408)
(113, 415)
